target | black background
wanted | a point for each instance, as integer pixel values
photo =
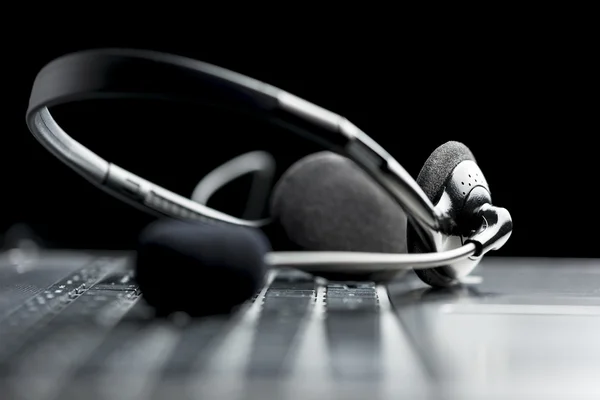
(522, 101)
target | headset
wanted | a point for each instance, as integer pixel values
(451, 222)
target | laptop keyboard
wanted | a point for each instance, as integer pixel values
(83, 331)
(82, 335)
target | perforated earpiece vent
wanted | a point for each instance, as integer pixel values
(466, 176)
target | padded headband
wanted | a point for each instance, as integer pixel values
(118, 73)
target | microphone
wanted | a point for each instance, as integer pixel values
(203, 269)
(197, 268)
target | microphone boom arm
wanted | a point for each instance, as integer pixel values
(325, 261)
(494, 233)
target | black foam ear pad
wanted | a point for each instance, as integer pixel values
(326, 202)
(439, 166)
(433, 178)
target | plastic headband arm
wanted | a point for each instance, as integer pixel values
(117, 73)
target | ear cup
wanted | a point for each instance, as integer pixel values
(432, 179)
(326, 202)
(438, 167)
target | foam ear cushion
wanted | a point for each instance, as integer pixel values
(432, 178)
(327, 202)
(439, 166)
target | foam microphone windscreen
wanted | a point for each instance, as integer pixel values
(199, 269)
(327, 202)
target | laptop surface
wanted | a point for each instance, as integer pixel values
(73, 325)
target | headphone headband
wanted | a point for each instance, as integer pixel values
(118, 73)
